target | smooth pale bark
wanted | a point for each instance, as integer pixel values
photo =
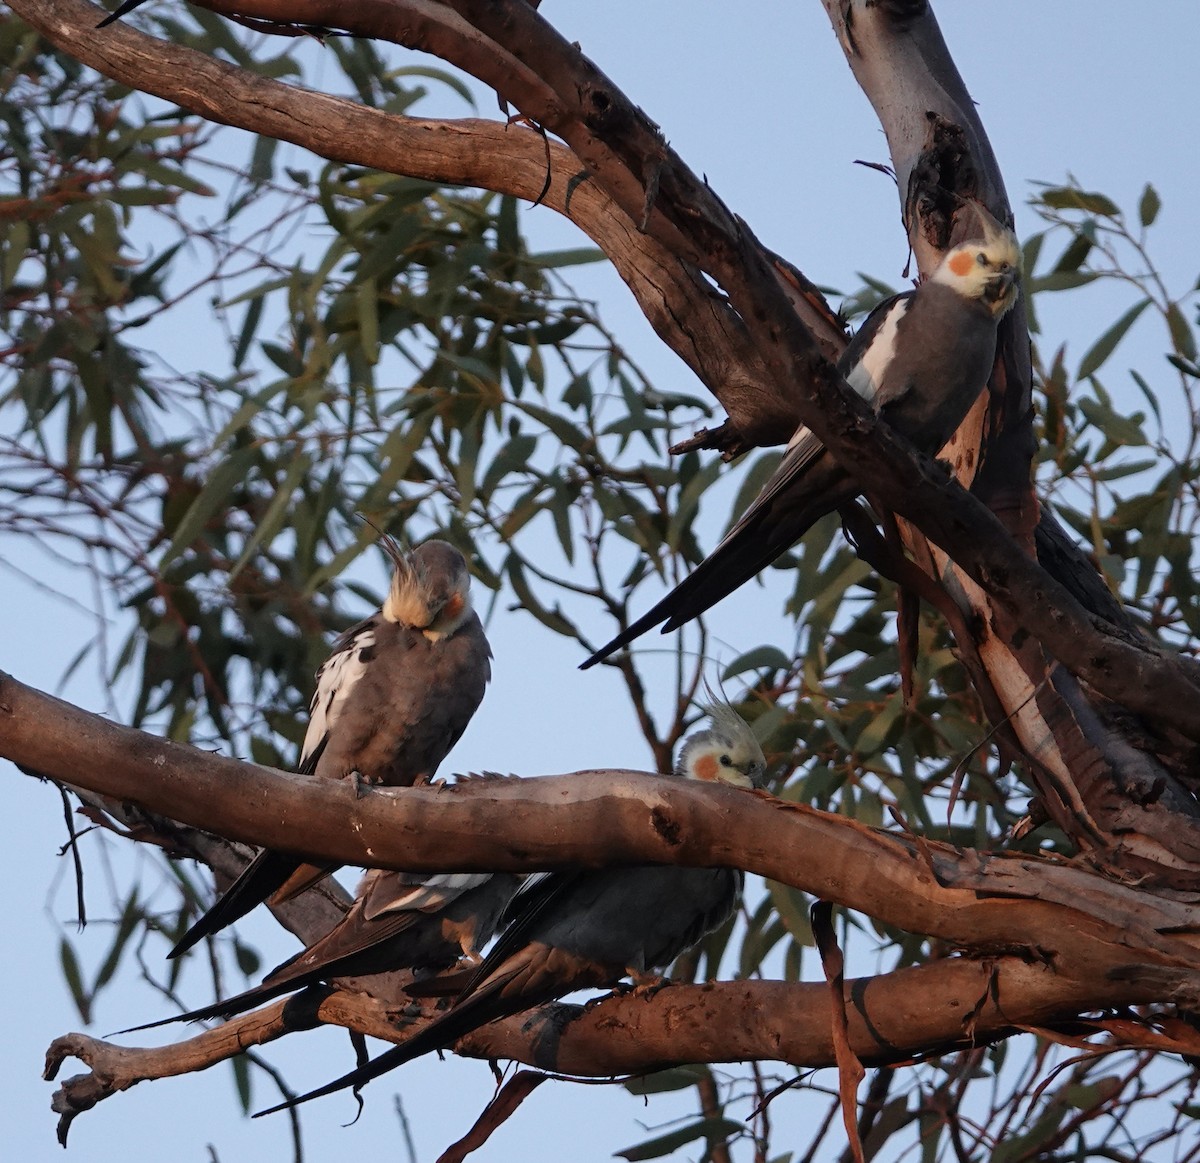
(970, 899)
(1109, 797)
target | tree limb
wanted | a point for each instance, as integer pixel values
(970, 899)
(892, 1017)
(693, 320)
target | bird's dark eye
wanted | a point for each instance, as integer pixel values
(726, 761)
(981, 259)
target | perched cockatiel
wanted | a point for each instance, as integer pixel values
(398, 920)
(920, 359)
(391, 701)
(590, 928)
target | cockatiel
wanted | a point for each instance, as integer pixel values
(391, 701)
(920, 359)
(592, 927)
(398, 920)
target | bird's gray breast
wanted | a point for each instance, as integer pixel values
(411, 701)
(944, 351)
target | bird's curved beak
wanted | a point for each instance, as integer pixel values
(444, 618)
(1000, 286)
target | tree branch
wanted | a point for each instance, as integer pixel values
(970, 899)
(694, 321)
(893, 1017)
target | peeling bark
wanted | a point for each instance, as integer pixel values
(1095, 786)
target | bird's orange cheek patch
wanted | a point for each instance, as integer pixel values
(706, 767)
(454, 606)
(961, 264)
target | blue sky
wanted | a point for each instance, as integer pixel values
(757, 97)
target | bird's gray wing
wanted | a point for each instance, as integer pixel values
(271, 872)
(585, 930)
(807, 484)
(862, 367)
(261, 878)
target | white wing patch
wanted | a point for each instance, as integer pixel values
(391, 892)
(337, 677)
(804, 447)
(866, 375)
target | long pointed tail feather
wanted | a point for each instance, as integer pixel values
(259, 879)
(475, 1011)
(229, 1008)
(729, 566)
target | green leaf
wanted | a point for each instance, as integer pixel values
(272, 520)
(711, 1129)
(248, 960)
(1149, 205)
(688, 503)
(552, 619)
(871, 739)
(74, 979)
(1181, 334)
(769, 658)
(339, 562)
(578, 256)
(664, 1081)
(131, 918)
(241, 1080)
(249, 326)
(1107, 343)
(792, 906)
(283, 358)
(1075, 254)
(513, 457)
(1070, 198)
(1121, 430)
(215, 494)
(396, 456)
(442, 76)
(1061, 281)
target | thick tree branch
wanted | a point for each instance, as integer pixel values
(970, 899)
(686, 313)
(893, 1017)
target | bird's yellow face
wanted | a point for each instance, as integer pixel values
(720, 762)
(726, 753)
(448, 611)
(430, 589)
(987, 269)
(435, 607)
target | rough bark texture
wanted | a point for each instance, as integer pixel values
(648, 203)
(1093, 786)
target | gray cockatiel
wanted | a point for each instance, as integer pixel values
(590, 928)
(391, 700)
(921, 359)
(398, 920)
